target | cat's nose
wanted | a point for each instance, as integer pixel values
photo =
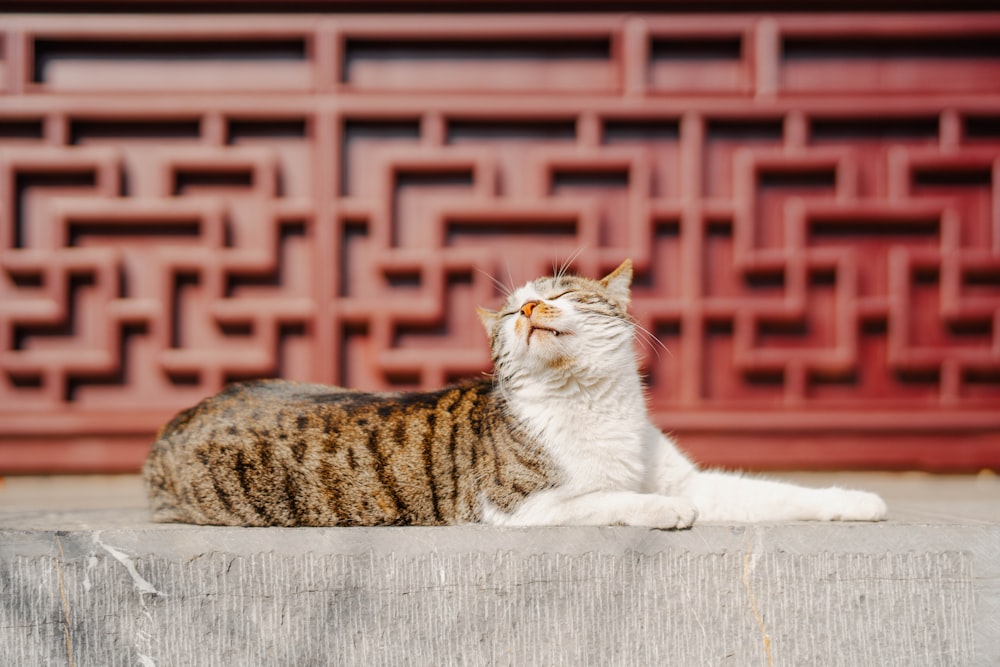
(528, 307)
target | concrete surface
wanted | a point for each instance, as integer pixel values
(87, 580)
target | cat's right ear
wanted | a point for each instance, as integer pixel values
(488, 318)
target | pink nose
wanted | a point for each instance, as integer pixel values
(528, 307)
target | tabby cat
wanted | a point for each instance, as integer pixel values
(558, 436)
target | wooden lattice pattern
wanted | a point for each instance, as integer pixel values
(812, 204)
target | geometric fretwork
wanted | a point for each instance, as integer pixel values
(814, 218)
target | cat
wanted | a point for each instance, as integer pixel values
(559, 435)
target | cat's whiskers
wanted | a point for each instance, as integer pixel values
(641, 335)
(644, 336)
(505, 290)
(510, 276)
(563, 269)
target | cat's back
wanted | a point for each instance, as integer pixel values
(250, 404)
(285, 453)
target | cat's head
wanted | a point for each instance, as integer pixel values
(562, 323)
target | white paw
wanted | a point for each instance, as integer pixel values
(845, 505)
(666, 512)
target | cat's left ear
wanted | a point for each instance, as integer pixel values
(617, 283)
(488, 318)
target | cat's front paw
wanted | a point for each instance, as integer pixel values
(846, 505)
(665, 512)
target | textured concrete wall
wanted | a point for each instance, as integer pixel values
(132, 593)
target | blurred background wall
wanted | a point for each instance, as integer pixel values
(812, 202)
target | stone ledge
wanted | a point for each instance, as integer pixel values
(108, 587)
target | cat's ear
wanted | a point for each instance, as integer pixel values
(488, 318)
(618, 282)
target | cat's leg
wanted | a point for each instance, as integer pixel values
(722, 496)
(558, 507)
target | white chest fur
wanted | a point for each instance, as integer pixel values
(595, 435)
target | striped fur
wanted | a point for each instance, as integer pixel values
(277, 453)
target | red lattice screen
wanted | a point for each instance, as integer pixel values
(812, 203)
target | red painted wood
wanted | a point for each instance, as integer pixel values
(811, 202)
